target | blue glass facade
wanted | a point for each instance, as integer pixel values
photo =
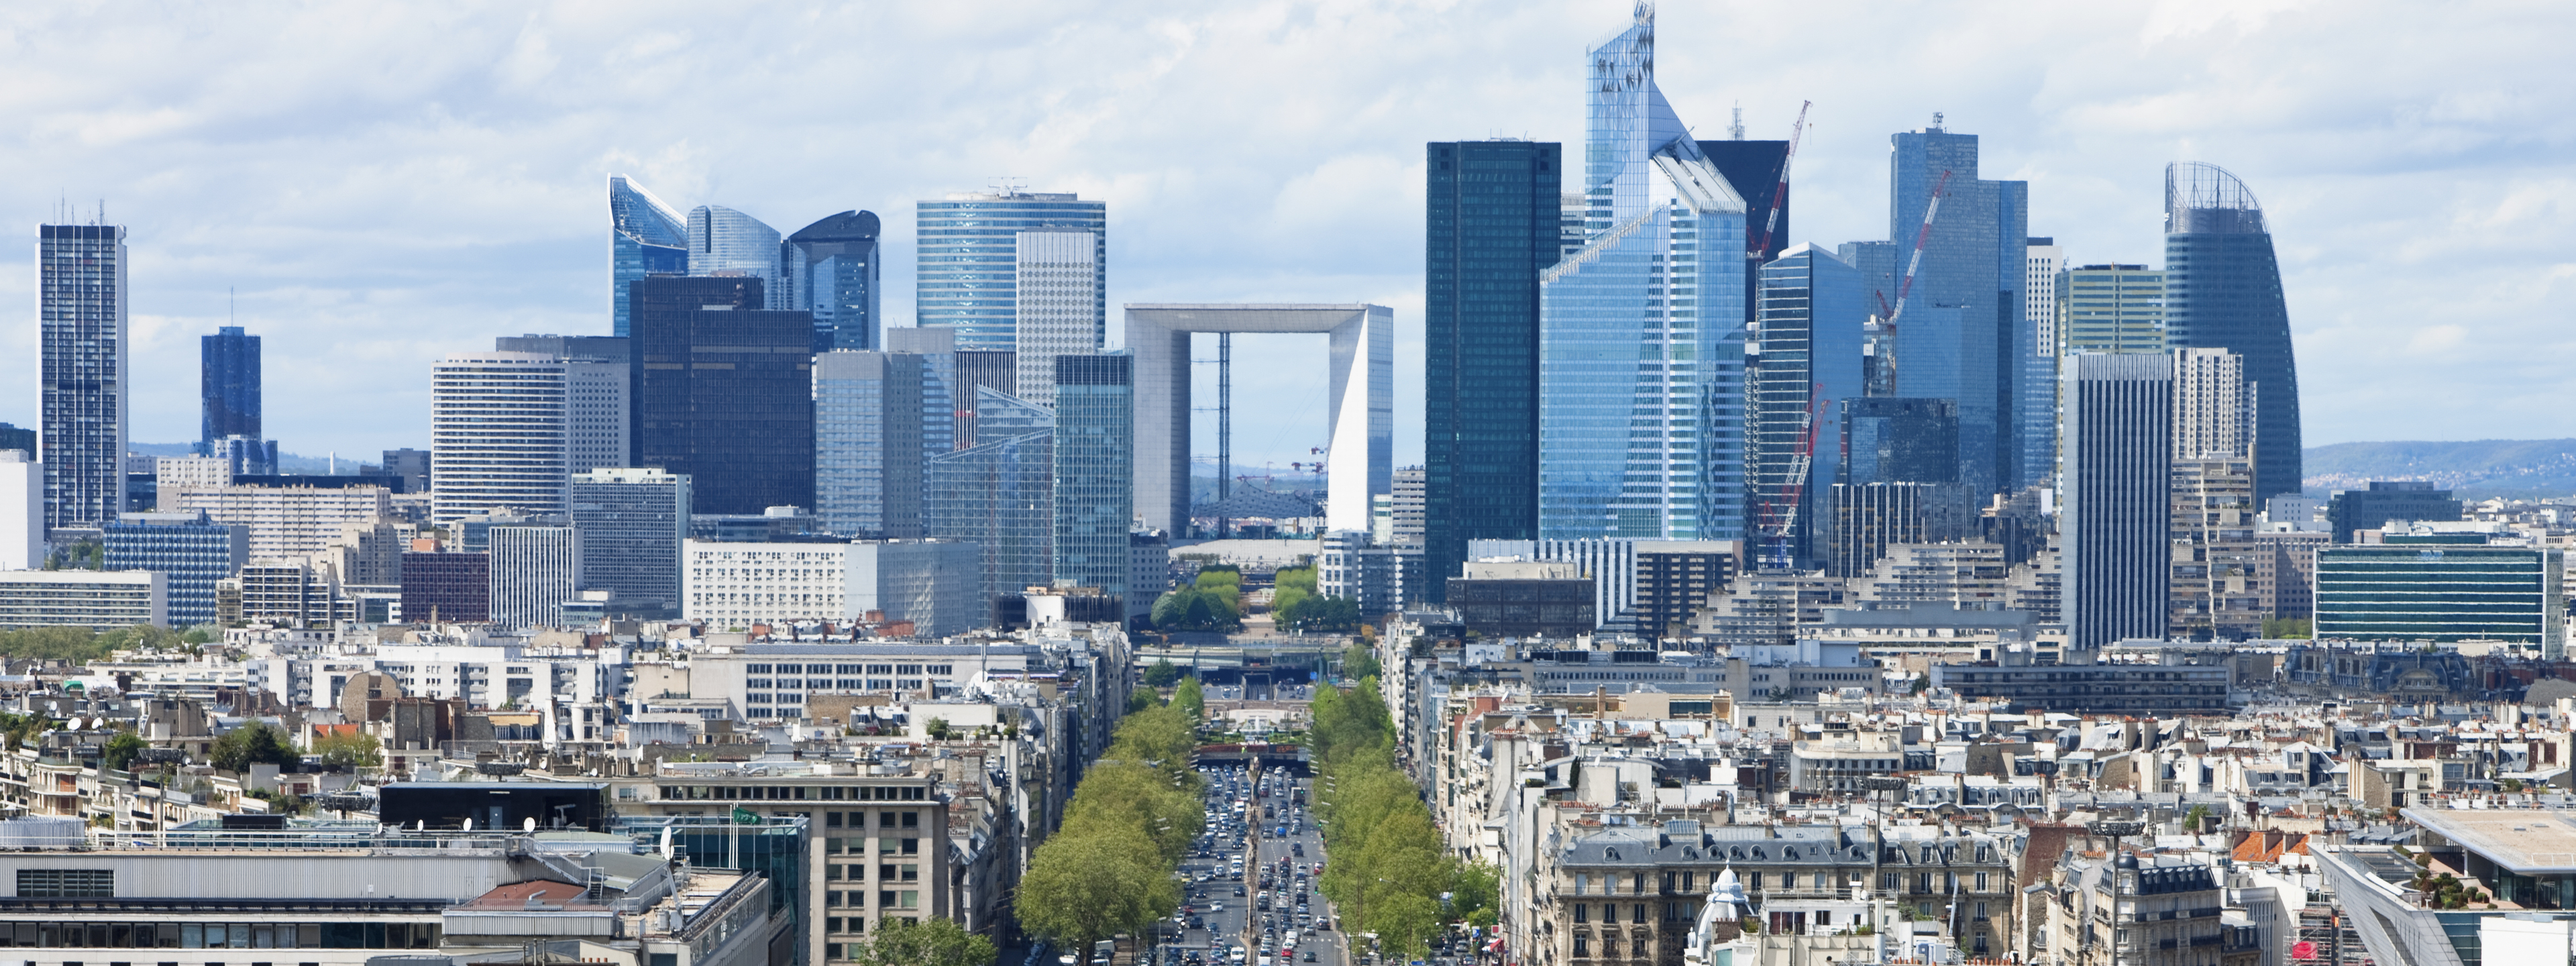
(1494, 221)
(1964, 334)
(195, 552)
(868, 454)
(723, 395)
(967, 276)
(1000, 493)
(723, 241)
(1802, 366)
(2432, 592)
(229, 387)
(832, 271)
(645, 237)
(2223, 291)
(1095, 429)
(1641, 335)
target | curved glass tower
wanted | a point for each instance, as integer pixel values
(725, 241)
(832, 269)
(645, 237)
(2223, 291)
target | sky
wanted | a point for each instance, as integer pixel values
(370, 186)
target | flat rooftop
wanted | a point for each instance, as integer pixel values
(2526, 841)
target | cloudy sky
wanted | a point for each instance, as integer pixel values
(384, 183)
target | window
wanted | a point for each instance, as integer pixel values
(1582, 913)
(1582, 945)
(1637, 946)
(1637, 914)
(66, 883)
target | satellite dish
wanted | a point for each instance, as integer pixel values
(666, 841)
(528, 824)
(469, 824)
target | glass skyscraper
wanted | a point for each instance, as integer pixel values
(1000, 493)
(1641, 358)
(832, 271)
(228, 383)
(967, 274)
(80, 307)
(645, 237)
(1802, 363)
(724, 393)
(1494, 220)
(194, 551)
(2117, 522)
(868, 453)
(723, 241)
(2223, 291)
(1964, 334)
(1095, 429)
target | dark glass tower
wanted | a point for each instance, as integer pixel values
(1802, 362)
(723, 392)
(1753, 168)
(229, 387)
(1095, 460)
(2223, 291)
(645, 237)
(1494, 212)
(2116, 525)
(1963, 335)
(832, 271)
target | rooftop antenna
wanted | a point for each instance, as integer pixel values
(1007, 185)
(1737, 128)
(1936, 122)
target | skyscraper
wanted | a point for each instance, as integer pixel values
(229, 387)
(1494, 216)
(2119, 453)
(832, 270)
(1802, 363)
(1963, 335)
(724, 392)
(725, 242)
(2223, 291)
(596, 395)
(645, 237)
(2213, 405)
(868, 456)
(2111, 308)
(1753, 168)
(2043, 258)
(1641, 389)
(1095, 429)
(499, 434)
(80, 309)
(947, 395)
(632, 522)
(1056, 287)
(999, 494)
(534, 569)
(968, 270)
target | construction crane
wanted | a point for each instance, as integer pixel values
(1879, 347)
(1780, 194)
(1779, 513)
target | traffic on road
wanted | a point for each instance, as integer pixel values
(1251, 898)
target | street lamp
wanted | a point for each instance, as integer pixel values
(1894, 787)
(2115, 830)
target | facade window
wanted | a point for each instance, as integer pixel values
(1582, 945)
(1582, 913)
(66, 883)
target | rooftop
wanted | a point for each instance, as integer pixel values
(2527, 841)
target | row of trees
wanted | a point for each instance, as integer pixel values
(82, 646)
(1214, 602)
(1388, 870)
(1109, 869)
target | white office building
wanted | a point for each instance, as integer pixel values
(499, 434)
(932, 583)
(533, 571)
(173, 475)
(1058, 304)
(2044, 259)
(22, 510)
(95, 599)
(290, 522)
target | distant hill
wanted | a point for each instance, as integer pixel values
(2476, 469)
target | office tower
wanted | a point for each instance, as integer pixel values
(1095, 423)
(832, 271)
(968, 274)
(1409, 525)
(999, 494)
(2214, 591)
(597, 418)
(80, 309)
(1802, 362)
(2223, 291)
(194, 551)
(2214, 406)
(868, 455)
(2119, 452)
(1641, 394)
(646, 237)
(533, 571)
(1896, 480)
(246, 456)
(228, 386)
(1753, 168)
(446, 587)
(289, 523)
(947, 396)
(723, 393)
(20, 438)
(411, 466)
(499, 435)
(22, 510)
(2112, 308)
(178, 474)
(632, 522)
(994, 369)
(2043, 259)
(1058, 306)
(1495, 221)
(2411, 501)
(727, 243)
(2443, 588)
(1963, 335)
(925, 582)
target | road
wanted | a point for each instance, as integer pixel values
(1239, 922)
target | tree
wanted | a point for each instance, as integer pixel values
(2287, 628)
(1190, 700)
(1083, 887)
(1359, 662)
(1479, 891)
(354, 748)
(1163, 674)
(938, 729)
(122, 750)
(1329, 615)
(931, 942)
(252, 744)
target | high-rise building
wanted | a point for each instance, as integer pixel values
(1896, 480)
(2111, 308)
(409, 465)
(228, 386)
(2446, 588)
(968, 274)
(194, 551)
(2119, 454)
(2223, 291)
(1095, 428)
(833, 271)
(289, 522)
(723, 393)
(645, 237)
(499, 434)
(534, 570)
(727, 243)
(1495, 220)
(1802, 364)
(1641, 392)
(22, 510)
(80, 310)
(2043, 258)
(868, 456)
(1407, 508)
(1058, 310)
(2384, 501)
(443, 587)
(994, 369)
(999, 494)
(947, 387)
(1963, 335)
(1754, 169)
(632, 522)
(2213, 406)
(597, 417)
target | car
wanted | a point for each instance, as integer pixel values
(1238, 890)
(1310, 954)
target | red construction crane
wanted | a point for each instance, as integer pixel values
(1780, 194)
(1778, 514)
(1883, 339)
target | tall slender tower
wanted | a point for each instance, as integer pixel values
(1057, 287)
(2223, 291)
(229, 385)
(80, 285)
(2119, 414)
(1095, 431)
(1802, 364)
(645, 237)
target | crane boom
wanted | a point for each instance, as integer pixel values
(1780, 194)
(1879, 346)
(1915, 262)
